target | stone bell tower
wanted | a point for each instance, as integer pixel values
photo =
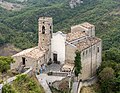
(45, 25)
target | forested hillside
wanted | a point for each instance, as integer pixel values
(20, 27)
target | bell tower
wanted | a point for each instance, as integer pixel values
(45, 31)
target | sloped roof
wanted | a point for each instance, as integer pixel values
(75, 35)
(31, 52)
(87, 43)
(87, 25)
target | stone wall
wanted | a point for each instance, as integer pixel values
(45, 38)
(91, 60)
(29, 62)
(88, 31)
(70, 53)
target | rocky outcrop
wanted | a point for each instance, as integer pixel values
(74, 3)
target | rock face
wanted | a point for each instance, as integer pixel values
(62, 85)
(22, 0)
(74, 3)
(8, 50)
(10, 6)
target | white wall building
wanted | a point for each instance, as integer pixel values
(58, 47)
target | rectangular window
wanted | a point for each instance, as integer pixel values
(83, 55)
(98, 49)
(23, 60)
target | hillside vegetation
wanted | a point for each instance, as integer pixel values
(23, 84)
(20, 28)
(22, 25)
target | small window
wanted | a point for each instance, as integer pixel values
(23, 60)
(83, 31)
(43, 29)
(50, 27)
(98, 50)
(51, 31)
(83, 54)
(86, 52)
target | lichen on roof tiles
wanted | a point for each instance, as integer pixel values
(75, 35)
(31, 52)
(87, 43)
(87, 25)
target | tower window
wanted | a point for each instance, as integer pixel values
(50, 27)
(43, 29)
(98, 49)
(86, 52)
(51, 31)
(83, 31)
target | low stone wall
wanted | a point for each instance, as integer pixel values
(62, 74)
(80, 85)
(10, 80)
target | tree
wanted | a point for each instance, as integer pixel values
(77, 61)
(5, 63)
(112, 54)
(116, 81)
(106, 77)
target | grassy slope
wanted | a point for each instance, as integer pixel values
(103, 13)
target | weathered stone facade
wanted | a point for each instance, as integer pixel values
(89, 46)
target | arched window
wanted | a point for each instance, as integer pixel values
(43, 29)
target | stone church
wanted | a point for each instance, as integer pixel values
(60, 48)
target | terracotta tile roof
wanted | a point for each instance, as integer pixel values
(87, 43)
(87, 25)
(68, 67)
(35, 53)
(31, 52)
(75, 35)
